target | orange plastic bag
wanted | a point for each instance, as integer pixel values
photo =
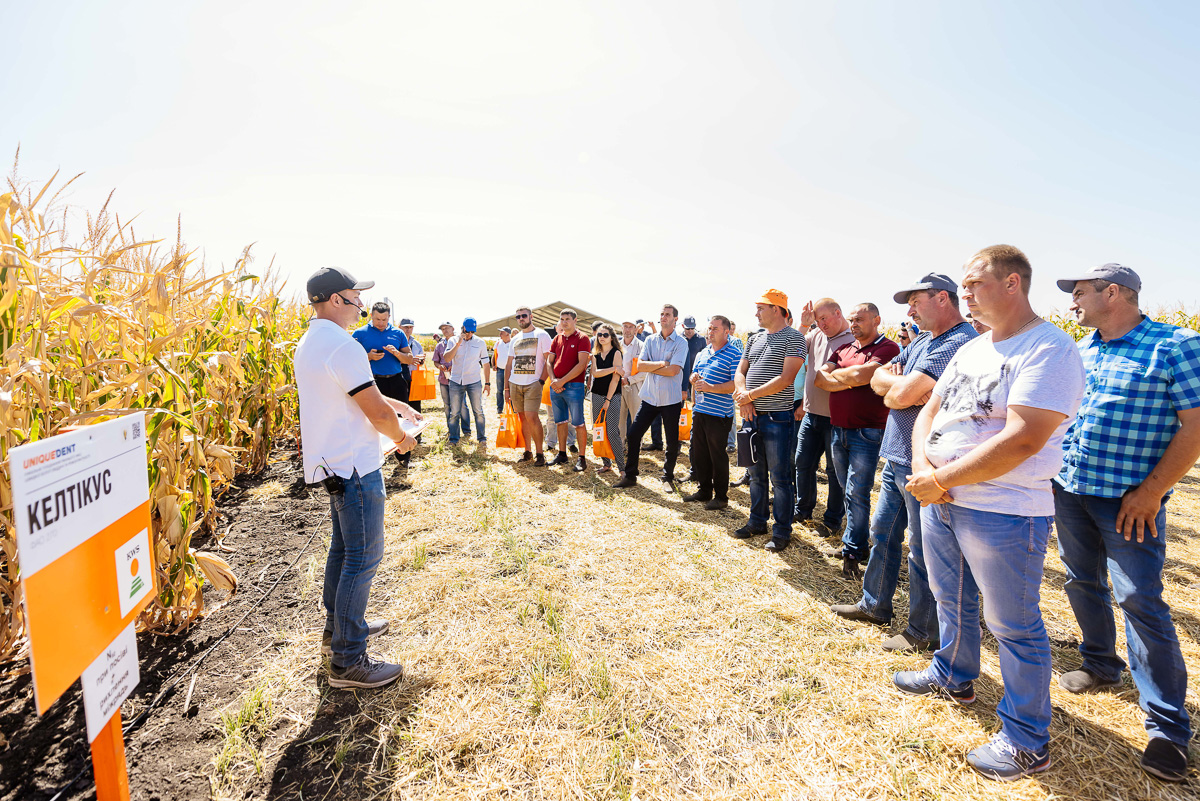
(600, 447)
(685, 422)
(508, 432)
(423, 386)
(546, 393)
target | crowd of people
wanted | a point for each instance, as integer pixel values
(992, 429)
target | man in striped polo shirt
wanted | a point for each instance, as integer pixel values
(763, 391)
(904, 384)
(712, 416)
(1136, 436)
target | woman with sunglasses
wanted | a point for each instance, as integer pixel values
(606, 391)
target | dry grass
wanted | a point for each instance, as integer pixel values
(564, 640)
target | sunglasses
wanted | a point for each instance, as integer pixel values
(522, 316)
(606, 336)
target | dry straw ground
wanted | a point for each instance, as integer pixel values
(563, 640)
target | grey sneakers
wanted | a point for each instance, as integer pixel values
(1084, 681)
(367, 673)
(1003, 761)
(374, 629)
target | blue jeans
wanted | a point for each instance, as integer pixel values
(814, 438)
(969, 552)
(464, 417)
(896, 509)
(500, 385)
(569, 403)
(354, 554)
(1093, 551)
(458, 411)
(855, 456)
(794, 445)
(775, 431)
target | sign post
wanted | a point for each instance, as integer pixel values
(82, 506)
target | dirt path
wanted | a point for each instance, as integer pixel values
(267, 525)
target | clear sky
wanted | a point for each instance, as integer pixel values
(471, 157)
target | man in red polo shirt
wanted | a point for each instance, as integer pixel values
(858, 416)
(569, 357)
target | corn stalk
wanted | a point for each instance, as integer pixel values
(113, 323)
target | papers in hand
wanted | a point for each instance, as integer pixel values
(413, 429)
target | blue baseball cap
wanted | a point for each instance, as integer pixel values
(469, 324)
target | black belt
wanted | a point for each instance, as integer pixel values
(390, 375)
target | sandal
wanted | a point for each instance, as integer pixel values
(604, 469)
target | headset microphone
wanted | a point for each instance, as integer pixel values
(363, 313)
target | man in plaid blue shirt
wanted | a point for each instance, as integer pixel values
(1136, 436)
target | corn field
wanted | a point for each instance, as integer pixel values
(95, 328)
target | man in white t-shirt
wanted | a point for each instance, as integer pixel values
(526, 371)
(345, 423)
(985, 447)
(500, 353)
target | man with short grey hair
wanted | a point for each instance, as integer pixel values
(1136, 435)
(827, 330)
(631, 382)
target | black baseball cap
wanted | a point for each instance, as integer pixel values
(327, 281)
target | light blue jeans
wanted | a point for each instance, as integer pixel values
(895, 510)
(1093, 552)
(458, 394)
(354, 555)
(969, 552)
(464, 417)
(568, 404)
(855, 457)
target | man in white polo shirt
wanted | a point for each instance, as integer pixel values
(345, 423)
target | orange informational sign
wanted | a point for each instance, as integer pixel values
(82, 506)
